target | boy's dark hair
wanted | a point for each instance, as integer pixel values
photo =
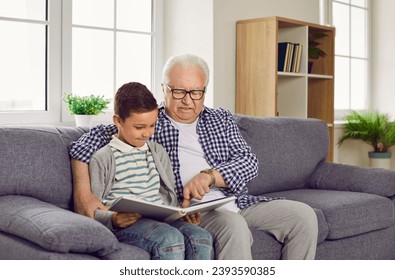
(133, 98)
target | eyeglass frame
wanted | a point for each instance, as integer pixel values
(186, 92)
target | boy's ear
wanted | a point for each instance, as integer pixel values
(117, 121)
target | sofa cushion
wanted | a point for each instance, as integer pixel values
(323, 229)
(288, 150)
(341, 177)
(55, 229)
(35, 162)
(347, 213)
(16, 248)
(266, 247)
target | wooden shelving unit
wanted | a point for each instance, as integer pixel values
(261, 90)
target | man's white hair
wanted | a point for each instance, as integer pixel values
(185, 61)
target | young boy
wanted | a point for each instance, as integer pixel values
(130, 165)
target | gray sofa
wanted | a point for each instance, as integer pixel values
(354, 206)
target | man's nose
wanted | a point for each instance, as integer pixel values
(187, 98)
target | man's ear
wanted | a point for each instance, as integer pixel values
(117, 121)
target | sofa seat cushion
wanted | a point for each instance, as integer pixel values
(323, 229)
(55, 229)
(346, 213)
(266, 247)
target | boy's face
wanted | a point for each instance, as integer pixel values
(137, 128)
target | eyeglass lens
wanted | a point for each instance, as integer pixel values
(181, 93)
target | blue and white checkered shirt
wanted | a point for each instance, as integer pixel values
(224, 147)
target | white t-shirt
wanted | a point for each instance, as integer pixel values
(192, 160)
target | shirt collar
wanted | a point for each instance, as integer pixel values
(123, 147)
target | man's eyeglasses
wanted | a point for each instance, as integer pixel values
(179, 93)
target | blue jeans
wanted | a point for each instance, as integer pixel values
(177, 241)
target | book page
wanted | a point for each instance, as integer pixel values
(162, 212)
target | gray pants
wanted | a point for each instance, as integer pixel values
(292, 223)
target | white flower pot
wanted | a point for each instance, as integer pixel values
(84, 120)
(380, 160)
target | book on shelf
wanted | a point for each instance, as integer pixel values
(294, 54)
(166, 213)
(282, 55)
(289, 57)
(298, 58)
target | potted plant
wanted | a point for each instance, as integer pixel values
(375, 129)
(85, 107)
(314, 51)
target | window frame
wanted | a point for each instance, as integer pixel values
(326, 18)
(59, 67)
(53, 76)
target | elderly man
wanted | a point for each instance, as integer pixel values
(210, 159)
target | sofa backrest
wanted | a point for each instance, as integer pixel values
(288, 150)
(34, 162)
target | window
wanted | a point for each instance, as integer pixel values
(351, 19)
(23, 28)
(78, 46)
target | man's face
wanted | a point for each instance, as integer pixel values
(184, 110)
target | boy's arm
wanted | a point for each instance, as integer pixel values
(85, 202)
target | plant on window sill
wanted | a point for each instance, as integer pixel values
(374, 128)
(86, 105)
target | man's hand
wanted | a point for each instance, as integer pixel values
(124, 220)
(197, 187)
(87, 203)
(193, 218)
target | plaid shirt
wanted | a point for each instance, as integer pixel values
(224, 147)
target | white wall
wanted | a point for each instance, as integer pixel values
(383, 56)
(189, 29)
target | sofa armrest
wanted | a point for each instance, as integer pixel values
(53, 228)
(334, 176)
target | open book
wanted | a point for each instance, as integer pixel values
(166, 213)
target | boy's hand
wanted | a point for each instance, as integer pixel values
(124, 220)
(193, 218)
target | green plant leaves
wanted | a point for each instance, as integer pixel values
(86, 105)
(314, 51)
(372, 127)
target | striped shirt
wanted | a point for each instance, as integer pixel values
(135, 173)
